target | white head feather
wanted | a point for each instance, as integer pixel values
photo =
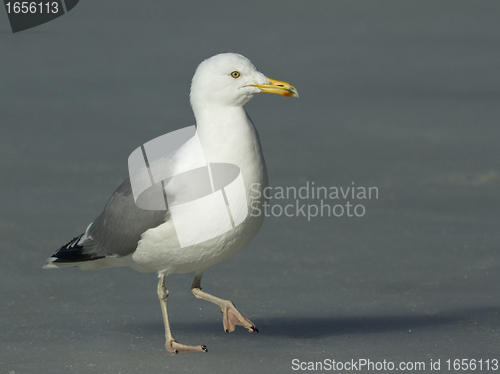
(225, 80)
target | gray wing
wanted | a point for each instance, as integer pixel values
(119, 227)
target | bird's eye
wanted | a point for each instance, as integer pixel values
(235, 74)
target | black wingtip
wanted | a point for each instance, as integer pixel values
(73, 252)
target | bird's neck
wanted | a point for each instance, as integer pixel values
(228, 135)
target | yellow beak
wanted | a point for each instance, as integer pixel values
(278, 87)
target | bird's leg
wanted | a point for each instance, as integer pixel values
(231, 316)
(171, 344)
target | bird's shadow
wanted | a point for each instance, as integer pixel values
(317, 327)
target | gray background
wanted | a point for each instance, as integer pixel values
(399, 95)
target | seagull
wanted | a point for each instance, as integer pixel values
(150, 240)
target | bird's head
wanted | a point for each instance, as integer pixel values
(230, 79)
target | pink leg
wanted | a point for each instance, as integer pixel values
(171, 344)
(231, 315)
